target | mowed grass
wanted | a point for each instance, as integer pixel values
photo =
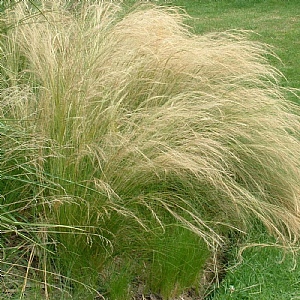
(260, 272)
(275, 22)
(263, 272)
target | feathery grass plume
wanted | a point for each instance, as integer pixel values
(130, 125)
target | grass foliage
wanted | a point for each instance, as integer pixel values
(261, 272)
(130, 147)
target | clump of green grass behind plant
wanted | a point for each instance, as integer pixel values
(125, 136)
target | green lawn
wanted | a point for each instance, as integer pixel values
(264, 273)
(260, 272)
(275, 22)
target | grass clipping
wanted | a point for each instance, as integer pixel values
(131, 116)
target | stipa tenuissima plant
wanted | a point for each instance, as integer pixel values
(130, 128)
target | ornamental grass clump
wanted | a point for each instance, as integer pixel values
(123, 131)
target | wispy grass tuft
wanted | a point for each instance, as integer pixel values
(115, 124)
